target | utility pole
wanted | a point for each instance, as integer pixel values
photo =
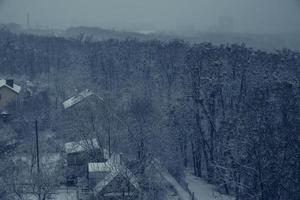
(109, 150)
(38, 158)
(37, 146)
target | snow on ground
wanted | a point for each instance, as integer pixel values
(184, 195)
(60, 194)
(203, 190)
(64, 194)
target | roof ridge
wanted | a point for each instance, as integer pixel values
(16, 88)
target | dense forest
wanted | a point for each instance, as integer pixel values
(229, 112)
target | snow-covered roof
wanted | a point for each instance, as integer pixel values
(99, 167)
(15, 88)
(4, 112)
(107, 166)
(83, 145)
(78, 98)
(114, 167)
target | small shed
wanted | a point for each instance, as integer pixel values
(82, 152)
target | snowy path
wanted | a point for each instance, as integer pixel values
(202, 190)
(184, 195)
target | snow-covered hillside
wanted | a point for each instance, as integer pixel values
(203, 190)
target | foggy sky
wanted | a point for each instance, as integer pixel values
(255, 16)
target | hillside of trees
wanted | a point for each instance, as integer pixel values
(268, 42)
(229, 112)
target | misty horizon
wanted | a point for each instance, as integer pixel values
(267, 16)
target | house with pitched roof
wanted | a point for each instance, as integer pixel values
(9, 92)
(112, 180)
(106, 177)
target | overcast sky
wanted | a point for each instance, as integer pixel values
(259, 16)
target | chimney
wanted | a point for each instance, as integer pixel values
(10, 83)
